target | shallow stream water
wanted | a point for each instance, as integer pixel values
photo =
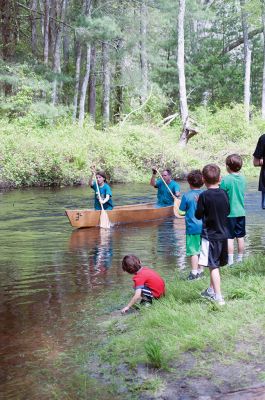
(54, 282)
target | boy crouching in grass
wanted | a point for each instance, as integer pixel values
(213, 208)
(148, 284)
(193, 225)
(235, 186)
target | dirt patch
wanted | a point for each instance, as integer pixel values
(203, 378)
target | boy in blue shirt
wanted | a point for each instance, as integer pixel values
(188, 207)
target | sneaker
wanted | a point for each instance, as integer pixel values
(219, 301)
(207, 294)
(193, 277)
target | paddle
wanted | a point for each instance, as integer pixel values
(176, 200)
(104, 219)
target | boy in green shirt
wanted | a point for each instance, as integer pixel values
(235, 186)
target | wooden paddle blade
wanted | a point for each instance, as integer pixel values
(176, 208)
(104, 220)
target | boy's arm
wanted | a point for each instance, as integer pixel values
(199, 213)
(257, 162)
(182, 207)
(134, 299)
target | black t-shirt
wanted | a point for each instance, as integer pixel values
(260, 153)
(213, 208)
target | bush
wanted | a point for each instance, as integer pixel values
(35, 151)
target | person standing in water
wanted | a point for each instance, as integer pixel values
(164, 197)
(105, 192)
(258, 161)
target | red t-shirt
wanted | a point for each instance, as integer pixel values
(151, 279)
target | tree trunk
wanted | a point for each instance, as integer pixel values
(84, 87)
(263, 76)
(33, 18)
(42, 15)
(106, 85)
(87, 11)
(247, 60)
(77, 77)
(181, 72)
(57, 50)
(118, 82)
(46, 32)
(66, 41)
(92, 85)
(143, 53)
(7, 30)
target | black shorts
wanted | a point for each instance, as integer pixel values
(236, 227)
(214, 253)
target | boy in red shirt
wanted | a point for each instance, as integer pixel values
(148, 284)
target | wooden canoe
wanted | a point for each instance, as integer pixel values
(119, 215)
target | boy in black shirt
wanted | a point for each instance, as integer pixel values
(213, 208)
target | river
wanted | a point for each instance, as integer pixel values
(55, 281)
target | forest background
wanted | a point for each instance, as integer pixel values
(127, 85)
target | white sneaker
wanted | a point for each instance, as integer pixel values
(219, 301)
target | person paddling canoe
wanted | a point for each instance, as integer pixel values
(105, 197)
(164, 197)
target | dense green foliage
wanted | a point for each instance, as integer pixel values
(213, 52)
(35, 152)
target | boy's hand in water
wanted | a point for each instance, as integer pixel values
(124, 310)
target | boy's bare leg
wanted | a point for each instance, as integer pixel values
(241, 248)
(230, 245)
(194, 263)
(215, 281)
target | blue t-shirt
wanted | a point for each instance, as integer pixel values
(103, 190)
(164, 197)
(189, 204)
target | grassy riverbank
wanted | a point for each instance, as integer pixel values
(184, 326)
(60, 153)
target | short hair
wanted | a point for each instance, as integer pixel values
(131, 264)
(195, 178)
(211, 174)
(102, 173)
(234, 162)
(168, 171)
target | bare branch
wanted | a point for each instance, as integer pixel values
(240, 40)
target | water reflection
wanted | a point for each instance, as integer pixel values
(94, 250)
(171, 242)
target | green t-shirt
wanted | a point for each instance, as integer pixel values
(235, 187)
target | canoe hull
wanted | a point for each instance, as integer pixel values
(119, 215)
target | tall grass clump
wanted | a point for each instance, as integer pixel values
(154, 352)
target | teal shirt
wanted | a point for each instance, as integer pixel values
(164, 197)
(104, 190)
(235, 187)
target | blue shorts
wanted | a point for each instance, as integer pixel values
(236, 227)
